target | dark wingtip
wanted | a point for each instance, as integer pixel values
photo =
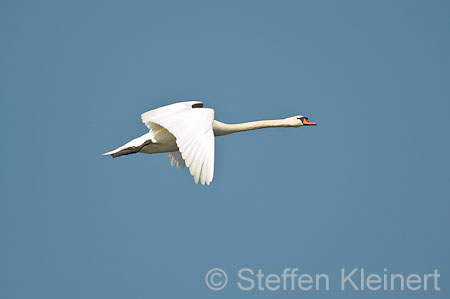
(198, 105)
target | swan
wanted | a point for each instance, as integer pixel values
(186, 131)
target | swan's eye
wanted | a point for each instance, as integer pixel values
(198, 105)
(302, 118)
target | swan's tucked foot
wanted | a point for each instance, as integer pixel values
(128, 150)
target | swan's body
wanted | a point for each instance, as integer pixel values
(186, 131)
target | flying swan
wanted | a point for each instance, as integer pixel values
(186, 131)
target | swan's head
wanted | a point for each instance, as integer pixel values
(298, 121)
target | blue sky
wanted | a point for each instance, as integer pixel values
(368, 187)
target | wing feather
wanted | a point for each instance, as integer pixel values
(176, 159)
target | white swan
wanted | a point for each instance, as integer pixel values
(186, 131)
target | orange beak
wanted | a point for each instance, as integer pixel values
(306, 122)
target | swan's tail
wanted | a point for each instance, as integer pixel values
(131, 147)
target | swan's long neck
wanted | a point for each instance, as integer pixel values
(221, 128)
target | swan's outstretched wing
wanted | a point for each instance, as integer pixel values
(192, 128)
